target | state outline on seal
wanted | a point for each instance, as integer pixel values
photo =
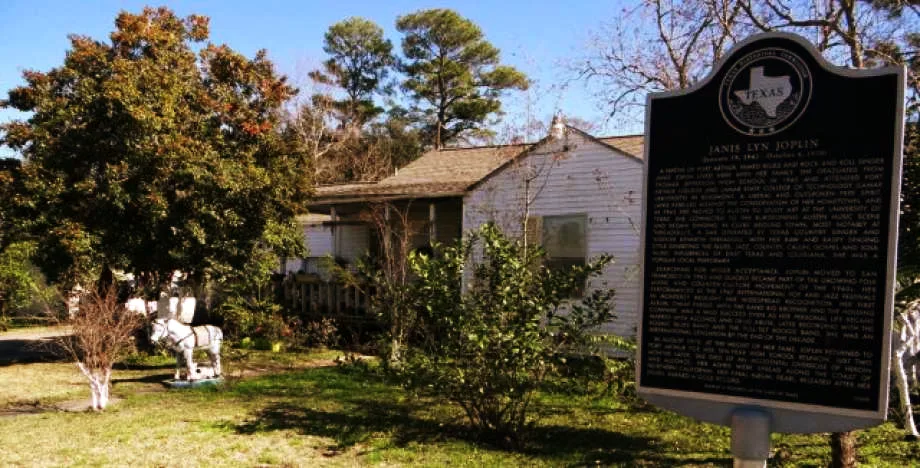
(765, 91)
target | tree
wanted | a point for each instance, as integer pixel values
(345, 148)
(452, 73)
(20, 283)
(387, 279)
(141, 155)
(662, 45)
(10, 181)
(851, 33)
(348, 156)
(909, 221)
(658, 45)
(360, 60)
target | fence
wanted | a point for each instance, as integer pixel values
(313, 297)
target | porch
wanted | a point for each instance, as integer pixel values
(346, 232)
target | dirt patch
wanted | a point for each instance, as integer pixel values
(77, 406)
(18, 410)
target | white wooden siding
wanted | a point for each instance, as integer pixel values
(318, 238)
(587, 178)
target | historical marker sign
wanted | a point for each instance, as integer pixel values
(769, 234)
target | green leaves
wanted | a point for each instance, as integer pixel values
(452, 72)
(142, 155)
(360, 60)
(489, 346)
(20, 284)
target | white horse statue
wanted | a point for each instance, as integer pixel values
(184, 339)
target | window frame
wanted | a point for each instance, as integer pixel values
(556, 263)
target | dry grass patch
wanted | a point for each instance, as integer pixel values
(40, 384)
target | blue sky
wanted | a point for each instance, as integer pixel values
(536, 36)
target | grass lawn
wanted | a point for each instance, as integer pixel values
(284, 410)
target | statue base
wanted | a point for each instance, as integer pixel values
(202, 376)
(195, 383)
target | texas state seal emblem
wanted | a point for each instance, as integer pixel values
(765, 92)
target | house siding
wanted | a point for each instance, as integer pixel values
(318, 239)
(588, 178)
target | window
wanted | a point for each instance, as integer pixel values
(565, 242)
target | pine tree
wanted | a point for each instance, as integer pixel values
(452, 73)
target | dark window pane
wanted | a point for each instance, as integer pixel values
(565, 243)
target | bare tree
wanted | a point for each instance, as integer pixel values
(658, 45)
(850, 33)
(311, 122)
(101, 333)
(343, 151)
(385, 279)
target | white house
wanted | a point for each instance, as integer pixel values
(580, 195)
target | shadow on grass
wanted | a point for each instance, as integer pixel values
(143, 367)
(147, 379)
(29, 351)
(350, 416)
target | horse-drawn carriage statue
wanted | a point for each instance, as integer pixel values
(183, 340)
(171, 327)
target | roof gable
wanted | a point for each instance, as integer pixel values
(629, 141)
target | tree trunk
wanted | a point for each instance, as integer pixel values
(843, 450)
(106, 279)
(98, 385)
(395, 350)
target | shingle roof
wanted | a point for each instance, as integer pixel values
(630, 144)
(447, 172)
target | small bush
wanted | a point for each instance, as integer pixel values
(489, 347)
(323, 333)
(252, 317)
(102, 333)
(23, 291)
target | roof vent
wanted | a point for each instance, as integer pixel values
(557, 127)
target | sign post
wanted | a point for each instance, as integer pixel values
(769, 236)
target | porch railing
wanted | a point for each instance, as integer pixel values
(311, 296)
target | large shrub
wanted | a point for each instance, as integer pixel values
(488, 346)
(247, 306)
(22, 287)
